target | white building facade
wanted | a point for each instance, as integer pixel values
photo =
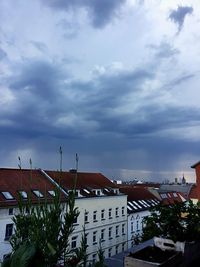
(103, 212)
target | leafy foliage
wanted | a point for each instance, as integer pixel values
(46, 228)
(179, 222)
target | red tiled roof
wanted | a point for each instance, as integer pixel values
(136, 193)
(82, 179)
(172, 198)
(15, 180)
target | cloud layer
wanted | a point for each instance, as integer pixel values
(123, 95)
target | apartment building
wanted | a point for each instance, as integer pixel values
(102, 207)
(103, 212)
(139, 203)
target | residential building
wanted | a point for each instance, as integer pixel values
(102, 210)
(102, 206)
(13, 182)
(195, 192)
(139, 202)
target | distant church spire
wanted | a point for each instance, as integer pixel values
(183, 180)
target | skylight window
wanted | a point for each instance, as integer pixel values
(145, 203)
(137, 204)
(23, 194)
(37, 193)
(163, 196)
(7, 195)
(85, 190)
(52, 193)
(106, 189)
(131, 204)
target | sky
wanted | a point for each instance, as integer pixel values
(116, 81)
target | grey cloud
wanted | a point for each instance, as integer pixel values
(39, 78)
(179, 80)
(100, 12)
(70, 29)
(178, 15)
(2, 54)
(40, 46)
(42, 98)
(164, 50)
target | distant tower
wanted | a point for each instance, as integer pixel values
(176, 180)
(183, 180)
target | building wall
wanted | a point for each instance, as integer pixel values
(102, 205)
(5, 219)
(112, 226)
(135, 225)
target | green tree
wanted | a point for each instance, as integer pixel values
(179, 222)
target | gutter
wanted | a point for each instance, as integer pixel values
(53, 181)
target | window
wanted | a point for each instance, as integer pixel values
(137, 225)
(132, 229)
(23, 194)
(117, 212)
(102, 214)
(86, 217)
(75, 220)
(9, 231)
(98, 192)
(123, 211)
(109, 252)
(110, 213)
(103, 235)
(123, 229)
(74, 239)
(123, 247)
(86, 238)
(7, 195)
(110, 232)
(94, 237)
(94, 258)
(117, 249)
(117, 230)
(10, 211)
(37, 193)
(95, 216)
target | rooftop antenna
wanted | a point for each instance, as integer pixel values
(77, 162)
(60, 151)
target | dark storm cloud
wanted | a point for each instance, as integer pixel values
(100, 12)
(49, 110)
(54, 107)
(38, 78)
(178, 15)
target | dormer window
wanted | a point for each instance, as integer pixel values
(23, 194)
(7, 195)
(37, 193)
(52, 193)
